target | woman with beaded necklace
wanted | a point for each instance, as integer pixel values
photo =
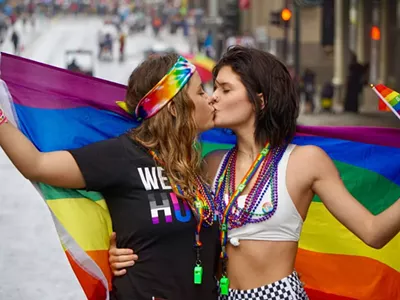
(264, 185)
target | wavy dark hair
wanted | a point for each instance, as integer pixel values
(262, 72)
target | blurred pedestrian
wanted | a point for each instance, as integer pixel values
(208, 45)
(156, 25)
(15, 41)
(327, 97)
(122, 40)
(13, 18)
(354, 85)
(308, 89)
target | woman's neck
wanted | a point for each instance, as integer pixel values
(247, 145)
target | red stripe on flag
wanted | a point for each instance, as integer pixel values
(383, 90)
(382, 106)
(318, 295)
(93, 287)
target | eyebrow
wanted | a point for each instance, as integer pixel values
(222, 83)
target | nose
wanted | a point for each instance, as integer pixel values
(209, 99)
(214, 98)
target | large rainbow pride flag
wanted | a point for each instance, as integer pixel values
(57, 110)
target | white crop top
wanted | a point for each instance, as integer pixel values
(284, 225)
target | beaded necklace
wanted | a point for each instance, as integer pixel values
(230, 214)
(203, 209)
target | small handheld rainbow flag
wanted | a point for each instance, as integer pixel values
(389, 97)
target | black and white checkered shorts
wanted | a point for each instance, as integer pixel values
(288, 288)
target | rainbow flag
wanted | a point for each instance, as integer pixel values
(204, 65)
(57, 110)
(389, 99)
(52, 107)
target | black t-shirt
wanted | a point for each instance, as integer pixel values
(149, 218)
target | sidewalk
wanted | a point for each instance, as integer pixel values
(368, 115)
(373, 119)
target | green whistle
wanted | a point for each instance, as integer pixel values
(198, 274)
(224, 286)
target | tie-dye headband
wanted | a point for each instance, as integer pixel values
(163, 91)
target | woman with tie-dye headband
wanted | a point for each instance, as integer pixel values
(150, 179)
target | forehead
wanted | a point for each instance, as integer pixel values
(227, 75)
(195, 80)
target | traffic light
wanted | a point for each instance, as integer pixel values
(280, 18)
(375, 33)
(327, 24)
(275, 18)
(286, 15)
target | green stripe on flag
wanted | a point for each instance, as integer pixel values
(55, 193)
(395, 100)
(207, 147)
(373, 190)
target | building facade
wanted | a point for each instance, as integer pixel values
(352, 22)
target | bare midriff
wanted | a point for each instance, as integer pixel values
(258, 263)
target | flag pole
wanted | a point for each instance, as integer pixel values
(384, 100)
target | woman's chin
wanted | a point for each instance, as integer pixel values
(220, 123)
(217, 122)
(205, 127)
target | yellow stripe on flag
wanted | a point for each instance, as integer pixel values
(323, 233)
(391, 96)
(88, 222)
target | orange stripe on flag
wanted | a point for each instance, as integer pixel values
(386, 92)
(93, 288)
(383, 90)
(349, 276)
(101, 259)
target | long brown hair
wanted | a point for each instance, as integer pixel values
(171, 136)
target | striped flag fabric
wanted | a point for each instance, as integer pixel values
(59, 110)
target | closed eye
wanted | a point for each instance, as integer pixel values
(201, 90)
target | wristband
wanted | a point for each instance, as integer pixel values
(3, 117)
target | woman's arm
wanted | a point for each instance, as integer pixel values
(54, 168)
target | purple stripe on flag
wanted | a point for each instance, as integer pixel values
(370, 135)
(38, 85)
